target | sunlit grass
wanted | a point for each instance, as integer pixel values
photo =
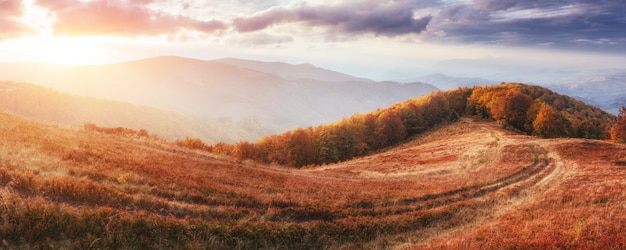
(468, 184)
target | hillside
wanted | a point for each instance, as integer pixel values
(606, 90)
(281, 98)
(466, 185)
(47, 105)
(601, 84)
(519, 107)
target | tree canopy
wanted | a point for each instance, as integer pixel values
(530, 109)
(618, 131)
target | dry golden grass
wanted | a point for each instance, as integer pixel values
(469, 184)
(579, 205)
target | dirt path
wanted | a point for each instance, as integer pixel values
(542, 166)
(507, 193)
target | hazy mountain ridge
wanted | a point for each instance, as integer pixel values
(219, 90)
(292, 72)
(445, 82)
(607, 92)
(599, 85)
(47, 105)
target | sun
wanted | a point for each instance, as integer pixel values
(42, 45)
(68, 50)
(55, 50)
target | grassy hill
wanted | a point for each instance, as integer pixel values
(470, 184)
(519, 107)
(51, 106)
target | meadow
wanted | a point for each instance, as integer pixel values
(468, 184)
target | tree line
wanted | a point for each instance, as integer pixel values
(540, 111)
(524, 108)
(530, 109)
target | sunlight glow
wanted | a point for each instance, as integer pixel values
(56, 50)
(65, 50)
(43, 46)
(36, 17)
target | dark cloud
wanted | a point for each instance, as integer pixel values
(387, 19)
(494, 5)
(117, 17)
(592, 24)
(574, 24)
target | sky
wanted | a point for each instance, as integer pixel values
(368, 38)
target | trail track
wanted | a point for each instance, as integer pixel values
(465, 153)
(473, 168)
(541, 162)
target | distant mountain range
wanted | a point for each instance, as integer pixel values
(601, 85)
(292, 72)
(239, 99)
(50, 106)
(279, 96)
(445, 82)
(607, 92)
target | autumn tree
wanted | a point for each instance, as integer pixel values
(515, 105)
(265, 147)
(222, 148)
(368, 131)
(618, 131)
(550, 123)
(454, 116)
(457, 99)
(349, 141)
(531, 116)
(527, 108)
(193, 143)
(245, 150)
(390, 128)
(326, 150)
(495, 101)
(302, 147)
(436, 109)
(476, 104)
(279, 152)
(591, 129)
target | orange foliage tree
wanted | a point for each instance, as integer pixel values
(390, 129)
(193, 143)
(515, 105)
(302, 147)
(531, 109)
(618, 131)
(326, 150)
(550, 123)
(245, 150)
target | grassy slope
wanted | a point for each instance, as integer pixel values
(470, 184)
(47, 105)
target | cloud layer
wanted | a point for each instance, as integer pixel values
(125, 18)
(10, 25)
(588, 24)
(353, 18)
(576, 23)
